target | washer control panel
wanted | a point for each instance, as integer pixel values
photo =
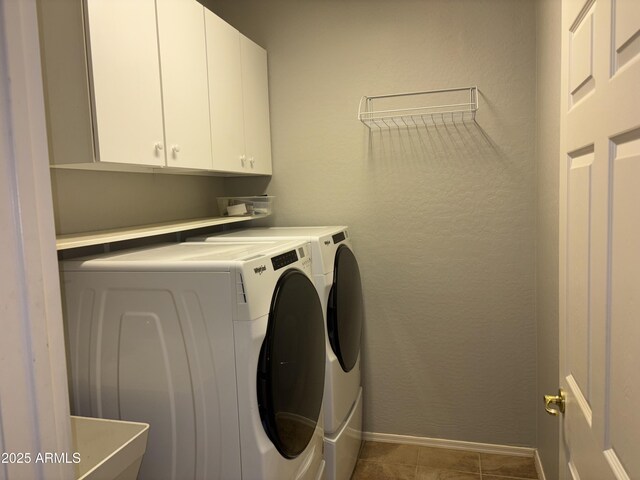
(284, 259)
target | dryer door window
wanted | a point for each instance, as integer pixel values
(291, 366)
(345, 311)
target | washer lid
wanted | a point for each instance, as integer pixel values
(183, 256)
(283, 233)
(324, 240)
(345, 312)
(290, 377)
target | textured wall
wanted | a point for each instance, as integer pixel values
(85, 201)
(548, 155)
(443, 219)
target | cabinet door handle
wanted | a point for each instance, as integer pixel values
(159, 147)
(252, 161)
(175, 148)
(243, 160)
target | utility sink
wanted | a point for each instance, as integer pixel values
(109, 449)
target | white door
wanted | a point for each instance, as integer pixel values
(600, 239)
(185, 90)
(255, 86)
(125, 74)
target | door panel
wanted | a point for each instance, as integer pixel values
(581, 77)
(625, 29)
(185, 89)
(125, 79)
(255, 86)
(623, 387)
(599, 238)
(225, 94)
(578, 263)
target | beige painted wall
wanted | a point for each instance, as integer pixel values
(548, 154)
(86, 200)
(443, 219)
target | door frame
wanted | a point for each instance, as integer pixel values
(34, 407)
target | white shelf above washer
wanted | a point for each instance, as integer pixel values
(414, 109)
(85, 239)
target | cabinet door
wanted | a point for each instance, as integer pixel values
(255, 86)
(125, 81)
(225, 95)
(183, 62)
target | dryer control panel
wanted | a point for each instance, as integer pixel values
(339, 237)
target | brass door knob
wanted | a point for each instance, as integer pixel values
(559, 400)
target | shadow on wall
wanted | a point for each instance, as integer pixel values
(441, 140)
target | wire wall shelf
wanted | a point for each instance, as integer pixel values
(400, 110)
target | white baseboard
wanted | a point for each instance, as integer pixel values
(454, 444)
(539, 468)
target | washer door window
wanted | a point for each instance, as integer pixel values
(291, 366)
(345, 311)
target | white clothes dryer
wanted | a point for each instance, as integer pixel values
(337, 278)
(219, 347)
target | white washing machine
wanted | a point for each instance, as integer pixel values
(337, 279)
(219, 347)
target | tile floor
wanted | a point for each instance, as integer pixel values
(391, 461)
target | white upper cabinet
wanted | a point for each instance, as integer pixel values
(152, 84)
(225, 95)
(145, 77)
(183, 62)
(239, 100)
(255, 88)
(125, 81)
